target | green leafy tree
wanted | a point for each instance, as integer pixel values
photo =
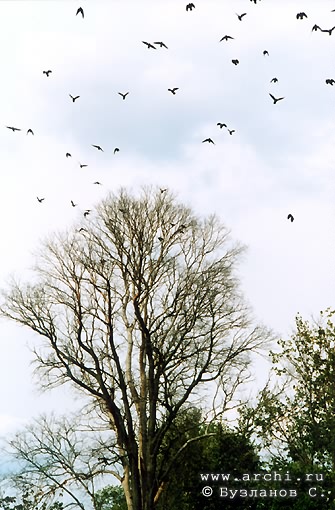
(110, 498)
(295, 417)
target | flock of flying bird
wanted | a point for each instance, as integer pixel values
(173, 90)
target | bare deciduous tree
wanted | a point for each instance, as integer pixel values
(141, 310)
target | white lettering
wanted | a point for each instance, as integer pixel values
(233, 493)
(310, 492)
(251, 493)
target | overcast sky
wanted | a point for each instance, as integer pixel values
(279, 160)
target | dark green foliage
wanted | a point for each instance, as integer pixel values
(110, 498)
(225, 451)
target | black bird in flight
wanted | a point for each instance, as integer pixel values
(40, 199)
(265, 52)
(80, 11)
(116, 150)
(226, 37)
(97, 147)
(240, 16)
(231, 131)
(315, 28)
(123, 95)
(162, 190)
(161, 44)
(330, 30)
(97, 182)
(189, 7)
(290, 217)
(149, 45)
(301, 15)
(275, 100)
(73, 204)
(209, 140)
(74, 98)
(173, 90)
(87, 212)
(274, 80)
(330, 81)
(13, 128)
(235, 61)
(255, 1)
(68, 155)
(82, 166)
(47, 72)
(30, 131)
(221, 125)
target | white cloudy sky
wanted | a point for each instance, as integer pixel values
(280, 160)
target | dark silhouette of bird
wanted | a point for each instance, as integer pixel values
(80, 11)
(315, 28)
(149, 45)
(290, 217)
(30, 131)
(161, 44)
(330, 81)
(87, 212)
(162, 190)
(221, 125)
(255, 1)
(274, 80)
(47, 72)
(209, 140)
(40, 199)
(97, 182)
(330, 30)
(189, 7)
(276, 99)
(82, 166)
(13, 128)
(98, 147)
(116, 150)
(173, 90)
(73, 204)
(226, 38)
(240, 16)
(301, 15)
(231, 131)
(235, 61)
(74, 98)
(265, 52)
(123, 95)
(68, 155)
